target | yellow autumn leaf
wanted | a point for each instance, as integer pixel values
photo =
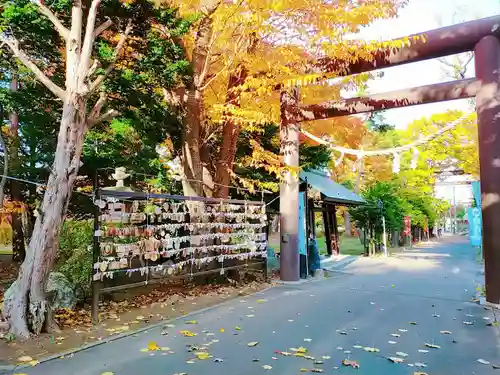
(202, 355)
(152, 346)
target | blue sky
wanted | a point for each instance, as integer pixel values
(419, 16)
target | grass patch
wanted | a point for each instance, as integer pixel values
(348, 245)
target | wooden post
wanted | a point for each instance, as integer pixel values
(487, 53)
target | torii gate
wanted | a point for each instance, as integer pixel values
(482, 37)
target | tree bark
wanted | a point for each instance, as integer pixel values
(27, 308)
(193, 120)
(230, 134)
(18, 247)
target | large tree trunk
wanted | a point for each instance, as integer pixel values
(27, 308)
(230, 134)
(18, 248)
(193, 120)
(191, 159)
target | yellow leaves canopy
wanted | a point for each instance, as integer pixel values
(277, 41)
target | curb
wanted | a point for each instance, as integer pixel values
(331, 265)
(9, 368)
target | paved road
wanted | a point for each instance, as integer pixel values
(369, 300)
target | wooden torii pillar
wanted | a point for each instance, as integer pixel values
(480, 36)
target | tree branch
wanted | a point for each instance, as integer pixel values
(118, 49)
(88, 41)
(14, 47)
(63, 31)
(109, 115)
(102, 27)
(96, 110)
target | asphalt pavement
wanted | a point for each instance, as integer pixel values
(415, 307)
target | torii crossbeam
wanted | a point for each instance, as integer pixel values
(483, 38)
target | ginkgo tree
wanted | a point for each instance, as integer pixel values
(75, 49)
(243, 53)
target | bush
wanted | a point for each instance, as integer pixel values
(74, 257)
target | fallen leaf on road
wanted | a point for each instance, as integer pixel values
(350, 363)
(253, 343)
(483, 361)
(25, 358)
(202, 355)
(396, 359)
(187, 333)
(152, 346)
(267, 367)
(445, 332)
(402, 354)
(420, 364)
(393, 342)
(433, 346)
